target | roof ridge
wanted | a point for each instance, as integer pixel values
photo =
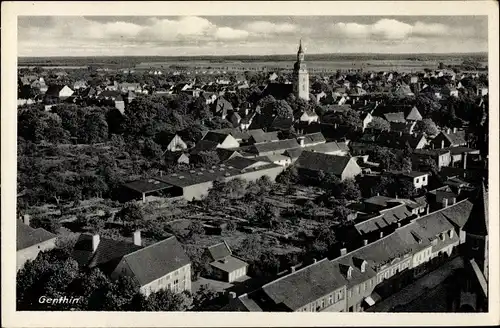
(296, 271)
(145, 247)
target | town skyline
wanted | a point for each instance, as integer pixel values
(192, 36)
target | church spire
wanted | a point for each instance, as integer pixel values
(300, 47)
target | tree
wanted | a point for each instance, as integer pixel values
(378, 123)
(426, 126)
(266, 215)
(195, 229)
(204, 299)
(162, 300)
(288, 176)
(152, 149)
(282, 109)
(348, 118)
(207, 158)
(132, 215)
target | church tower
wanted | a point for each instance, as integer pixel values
(301, 76)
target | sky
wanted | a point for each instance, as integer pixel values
(247, 35)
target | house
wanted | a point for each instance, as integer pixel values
(414, 115)
(441, 157)
(273, 147)
(80, 84)
(56, 93)
(223, 140)
(449, 91)
(309, 117)
(281, 160)
(222, 107)
(259, 136)
(311, 163)
(366, 118)
(225, 266)
(398, 117)
(449, 138)
(418, 179)
(31, 241)
(161, 265)
(171, 142)
(311, 139)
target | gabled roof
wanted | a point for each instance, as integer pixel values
(265, 136)
(222, 105)
(305, 285)
(313, 138)
(27, 236)
(280, 145)
(455, 138)
(219, 251)
(157, 260)
(414, 115)
(398, 117)
(322, 162)
(477, 224)
(215, 137)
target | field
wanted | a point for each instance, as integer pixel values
(315, 62)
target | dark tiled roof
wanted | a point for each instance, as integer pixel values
(457, 138)
(219, 251)
(322, 162)
(265, 136)
(305, 285)
(204, 145)
(229, 264)
(215, 137)
(386, 218)
(27, 236)
(146, 185)
(398, 117)
(314, 138)
(477, 223)
(280, 145)
(157, 260)
(414, 114)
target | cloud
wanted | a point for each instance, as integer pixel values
(264, 27)
(392, 29)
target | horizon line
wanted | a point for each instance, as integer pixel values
(264, 55)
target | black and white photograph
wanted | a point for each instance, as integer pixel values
(254, 163)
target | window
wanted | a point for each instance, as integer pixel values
(322, 303)
(386, 274)
(176, 285)
(442, 237)
(330, 299)
(417, 180)
(349, 293)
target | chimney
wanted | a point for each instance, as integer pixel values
(445, 202)
(161, 173)
(381, 234)
(442, 143)
(366, 101)
(465, 161)
(427, 210)
(314, 260)
(292, 269)
(95, 242)
(343, 251)
(400, 133)
(26, 219)
(301, 141)
(232, 295)
(454, 130)
(453, 200)
(137, 238)
(399, 224)
(365, 242)
(335, 125)
(397, 196)
(448, 130)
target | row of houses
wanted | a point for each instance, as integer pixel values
(360, 278)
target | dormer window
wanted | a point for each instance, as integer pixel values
(451, 233)
(442, 237)
(349, 273)
(363, 266)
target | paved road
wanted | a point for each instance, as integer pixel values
(423, 286)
